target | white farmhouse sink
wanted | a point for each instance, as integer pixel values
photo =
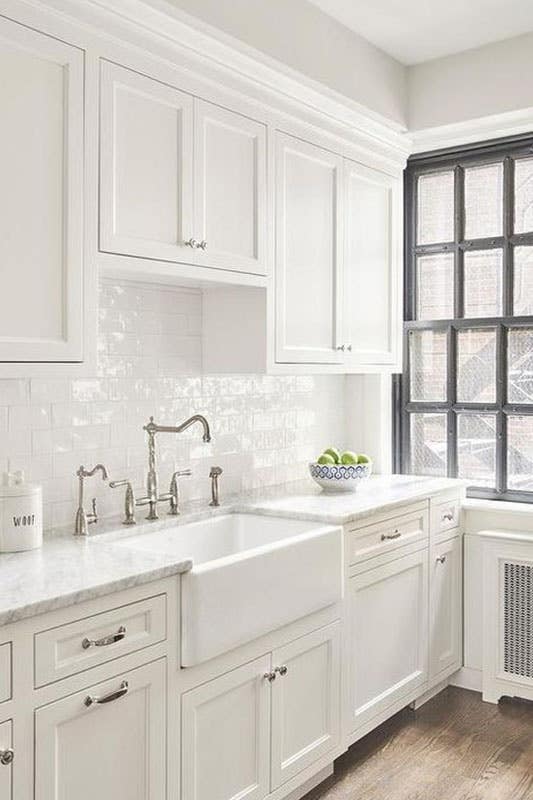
(250, 575)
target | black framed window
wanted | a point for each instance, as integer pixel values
(464, 404)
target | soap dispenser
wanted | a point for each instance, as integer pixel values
(21, 514)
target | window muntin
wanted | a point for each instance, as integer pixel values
(465, 400)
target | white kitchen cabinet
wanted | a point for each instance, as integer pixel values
(41, 200)
(146, 152)
(305, 702)
(372, 268)
(112, 746)
(6, 760)
(226, 736)
(308, 253)
(388, 635)
(230, 194)
(446, 608)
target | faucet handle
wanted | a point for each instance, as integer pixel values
(129, 500)
(181, 473)
(174, 492)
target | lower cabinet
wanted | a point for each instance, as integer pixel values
(107, 741)
(388, 635)
(305, 702)
(6, 760)
(446, 608)
(252, 729)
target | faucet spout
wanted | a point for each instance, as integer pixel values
(153, 428)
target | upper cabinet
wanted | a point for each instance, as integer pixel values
(372, 267)
(230, 198)
(41, 213)
(338, 260)
(146, 199)
(182, 180)
(308, 271)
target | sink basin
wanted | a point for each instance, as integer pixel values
(251, 574)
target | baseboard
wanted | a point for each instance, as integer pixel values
(311, 783)
(467, 678)
(429, 695)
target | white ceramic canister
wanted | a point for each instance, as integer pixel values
(21, 514)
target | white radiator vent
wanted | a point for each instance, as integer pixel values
(518, 619)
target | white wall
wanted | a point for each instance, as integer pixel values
(265, 428)
(298, 34)
(488, 80)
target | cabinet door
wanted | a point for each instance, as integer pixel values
(146, 166)
(6, 765)
(308, 253)
(113, 749)
(388, 617)
(229, 189)
(41, 164)
(445, 608)
(226, 736)
(305, 702)
(372, 267)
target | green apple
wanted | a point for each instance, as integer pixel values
(334, 453)
(326, 458)
(349, 457)
(363, 459)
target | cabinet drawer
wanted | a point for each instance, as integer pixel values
(85, 643)
(446, 515)
(383, 537)
(5, 672)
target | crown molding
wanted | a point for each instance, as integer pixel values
(162, 27)
(495, 126)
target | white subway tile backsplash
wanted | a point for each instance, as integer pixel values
(265, 428)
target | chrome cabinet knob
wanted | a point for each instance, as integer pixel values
(448, 517)
(349, 347)
(7, 757)
(270, 676)
(202, 245)
(441, 560)
(281, 670)
(191, 243)
(341, 347)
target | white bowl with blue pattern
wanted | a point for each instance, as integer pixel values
(338, 478)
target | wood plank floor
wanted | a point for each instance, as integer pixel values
(454, 748)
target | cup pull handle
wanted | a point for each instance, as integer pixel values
(105, 640)
(91, 700)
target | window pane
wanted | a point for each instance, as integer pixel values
(476, 448)
(476, 363)
(523, 281)
(520, 453)
(435, 286)
(428, 444)
(520, 358)
(523, 209)
(483, 283)
(427, 354)
(435, 208)
(483, 201)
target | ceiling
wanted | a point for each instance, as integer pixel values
(418, 30)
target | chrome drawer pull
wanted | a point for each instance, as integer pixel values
(7, 757)
(448, 517)
(107, 698)
(395, 535)
(441, 559)
(105, 640)
(281, 670)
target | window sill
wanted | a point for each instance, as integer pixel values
(498, 506)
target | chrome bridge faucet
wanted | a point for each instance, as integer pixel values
(153, 497)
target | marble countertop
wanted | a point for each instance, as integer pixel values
(69, 570)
